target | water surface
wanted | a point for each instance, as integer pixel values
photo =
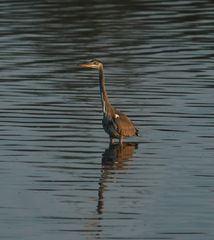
(59, 178)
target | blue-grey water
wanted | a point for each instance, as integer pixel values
(59, 179)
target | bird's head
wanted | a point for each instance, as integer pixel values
(92, 64)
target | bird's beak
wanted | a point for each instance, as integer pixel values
(85, 65)
(88, 65)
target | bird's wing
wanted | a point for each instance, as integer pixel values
(124, 125)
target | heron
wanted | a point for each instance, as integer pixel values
(115, 123)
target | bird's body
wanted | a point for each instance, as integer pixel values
(115, 123)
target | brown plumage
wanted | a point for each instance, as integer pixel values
(115, 123)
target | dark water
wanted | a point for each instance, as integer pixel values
(59, 179)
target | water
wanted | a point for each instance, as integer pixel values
(59, 177)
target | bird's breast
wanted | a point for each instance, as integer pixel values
(110, 126)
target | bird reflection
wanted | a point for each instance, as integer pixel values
(115, 158)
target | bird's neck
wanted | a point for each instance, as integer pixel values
(104, 97)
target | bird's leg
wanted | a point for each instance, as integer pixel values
(121, 140)
(111, 140)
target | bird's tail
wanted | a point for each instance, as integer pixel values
(136, 132)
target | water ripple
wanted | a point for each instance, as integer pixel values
(59, 177)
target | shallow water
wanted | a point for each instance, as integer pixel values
(59, 177)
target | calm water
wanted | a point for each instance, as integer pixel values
(59, 179)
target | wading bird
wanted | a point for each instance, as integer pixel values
(115, 123)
